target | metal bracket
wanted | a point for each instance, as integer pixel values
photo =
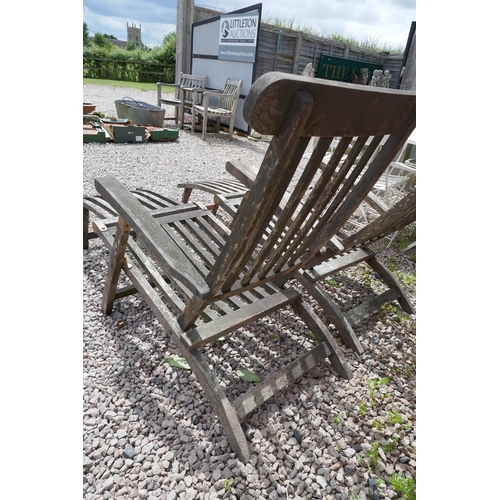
(100, 225)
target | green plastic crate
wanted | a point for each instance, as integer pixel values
(129, 133)
(95, 134)
(164, 134)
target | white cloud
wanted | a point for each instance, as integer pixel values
(383, 21)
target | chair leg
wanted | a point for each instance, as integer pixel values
(333, 312)
(220, 403)
(116, 261)
(231, 127)
(321, 332)
(186, 194)
(194, 117)
(204, 132)
(85, 228)
(389, 279)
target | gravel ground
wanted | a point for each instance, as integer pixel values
(148, 431)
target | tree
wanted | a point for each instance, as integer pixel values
(169, 45)
(86, 41)
(101, 41)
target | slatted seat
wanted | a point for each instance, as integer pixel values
(204, 280)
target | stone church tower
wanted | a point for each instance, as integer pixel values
(134, 35)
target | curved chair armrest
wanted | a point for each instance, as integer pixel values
(163, 84)
(169, 255)
(246, 174)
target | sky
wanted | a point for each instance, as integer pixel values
(386, 22)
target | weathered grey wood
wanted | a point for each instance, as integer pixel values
(332, 108)
(332, 266)
(321, 332)
(340, 254)
(183, 98)
(203, 279)
(273, 384)
(167, 251)
(364, 310)
(392, 282)
(333, 311)
(225, 107)
(116, 261)
(198, 337)
(103, 210)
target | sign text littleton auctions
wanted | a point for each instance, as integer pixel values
(238, 37)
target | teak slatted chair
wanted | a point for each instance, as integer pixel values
(183, 99)
(204, 280)
(226, 102)
(341, 252)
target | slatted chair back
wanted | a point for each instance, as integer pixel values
(231, 88)
(295, 109)
(181, 99)
(190, 81)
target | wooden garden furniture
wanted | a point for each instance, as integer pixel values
(204, 280)
(341, 252)
(184, 97)
(217, 104)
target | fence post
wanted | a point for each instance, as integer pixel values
(296, 54)
(409, 80)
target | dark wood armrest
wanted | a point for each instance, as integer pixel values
(163, 84)
(169, 255)
(243, 172)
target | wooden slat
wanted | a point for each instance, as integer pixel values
(261, 203)
(358, 314)
(331, 266)
(224, 325)
(273, 384)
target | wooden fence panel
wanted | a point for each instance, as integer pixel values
(281, 49)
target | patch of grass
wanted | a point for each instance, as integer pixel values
(373, 454)
(130, 85)
(362, 409)
(373, 385)
(405, 486)
(409, 279)
(391, 445)
(405, 237)
(333, 283)
(397, 314)
(394, 417)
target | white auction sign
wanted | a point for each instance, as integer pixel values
(238, 37)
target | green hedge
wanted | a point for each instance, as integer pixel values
(115, 63)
